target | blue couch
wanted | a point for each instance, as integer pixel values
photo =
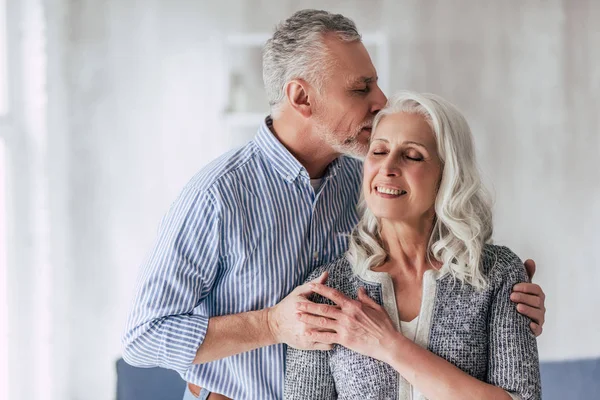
(148, 383)
(571, 380)
(564, 380)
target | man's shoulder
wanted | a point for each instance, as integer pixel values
(217, 170)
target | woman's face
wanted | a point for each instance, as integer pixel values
(402, 169)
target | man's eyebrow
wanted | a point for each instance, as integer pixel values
(363, 79)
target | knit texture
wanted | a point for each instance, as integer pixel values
(480, 332)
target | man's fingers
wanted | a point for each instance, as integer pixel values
(536, 329)
(329, 293)
(535, 314)
(319, 309)
(305, 290)
(321, 346)
(527, 299)
(529, 288)
(530, 267)
(322, 337)
(322, 278)
(314, 320)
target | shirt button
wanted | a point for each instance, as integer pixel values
(316, 255)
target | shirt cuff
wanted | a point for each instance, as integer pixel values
(182, 335)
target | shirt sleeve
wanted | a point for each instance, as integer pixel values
(162, 330)
(513, 359)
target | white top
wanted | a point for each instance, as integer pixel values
(409, 329)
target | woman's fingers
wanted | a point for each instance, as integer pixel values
(365, 299)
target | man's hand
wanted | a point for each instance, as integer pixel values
(530, 299)
(284, 324)
(361, 325)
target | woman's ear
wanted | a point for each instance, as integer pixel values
(296, 92)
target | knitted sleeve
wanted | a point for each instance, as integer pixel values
(513, 356)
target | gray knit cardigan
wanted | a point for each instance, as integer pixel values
(480, 332)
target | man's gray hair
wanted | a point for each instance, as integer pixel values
(297, 51)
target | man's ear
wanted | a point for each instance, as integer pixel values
(297, 93)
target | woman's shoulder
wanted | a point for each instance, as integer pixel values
(500, 264)
(339, 268)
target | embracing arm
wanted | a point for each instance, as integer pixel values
(530, 299)
(162, 328)
(233, 334)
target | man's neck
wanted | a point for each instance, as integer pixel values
(311, 151)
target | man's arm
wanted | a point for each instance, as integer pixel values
(162, 329)
(233, 334)
(530, 299)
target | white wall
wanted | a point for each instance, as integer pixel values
(137, 90)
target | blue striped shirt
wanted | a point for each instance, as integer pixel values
(244, 232)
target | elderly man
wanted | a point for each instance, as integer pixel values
(216, 299)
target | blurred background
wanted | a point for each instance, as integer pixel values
(108, 107)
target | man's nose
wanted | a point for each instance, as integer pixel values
(379, 100)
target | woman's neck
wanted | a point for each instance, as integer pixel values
(407, 245)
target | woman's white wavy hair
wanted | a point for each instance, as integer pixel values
(463, 214)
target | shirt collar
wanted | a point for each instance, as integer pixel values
(280, 158)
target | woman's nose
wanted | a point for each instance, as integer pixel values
(390, 168)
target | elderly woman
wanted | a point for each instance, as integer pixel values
(420, 306)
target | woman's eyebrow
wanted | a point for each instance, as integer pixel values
(415, 143)
(405, 142)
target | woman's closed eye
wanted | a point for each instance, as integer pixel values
(414, 156)
(379, 152)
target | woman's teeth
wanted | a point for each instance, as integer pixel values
(395, 192)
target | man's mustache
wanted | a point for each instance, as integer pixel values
(362, 126)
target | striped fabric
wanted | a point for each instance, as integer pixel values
(244, 232)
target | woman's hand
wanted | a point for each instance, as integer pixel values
(361, 325)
